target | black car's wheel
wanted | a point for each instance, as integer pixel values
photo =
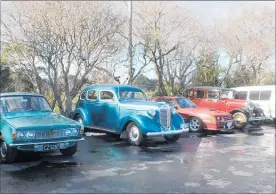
(195, 124)
(8, 154)
(258, 113)
(134, 135)
(172, 138)
(240, 120)
(69, 151)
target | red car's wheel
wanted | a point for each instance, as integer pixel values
(195, 124)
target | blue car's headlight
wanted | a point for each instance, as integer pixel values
(30, 134)
(20, 134)
(152, 113)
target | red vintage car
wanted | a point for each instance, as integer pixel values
(223, 99)
(199, 118)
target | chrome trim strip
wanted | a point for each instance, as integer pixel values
(30, 143)
(256, 118)
(219, 129)
(208, 122)
(150, 134)
(101, 129)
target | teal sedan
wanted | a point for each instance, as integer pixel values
(29, 124)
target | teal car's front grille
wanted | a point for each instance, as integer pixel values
(50, 134)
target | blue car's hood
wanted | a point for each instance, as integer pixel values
(41, 120)
(141, 105)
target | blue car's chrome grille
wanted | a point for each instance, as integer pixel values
(50, 134)
(165, 117)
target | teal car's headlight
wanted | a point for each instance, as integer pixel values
(68, 132)
(20, 134)
(152, 113)
(74, 131)
(30, 134)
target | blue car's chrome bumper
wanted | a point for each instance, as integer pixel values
(46, 142)
(165, 133)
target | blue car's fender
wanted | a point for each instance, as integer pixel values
(145, 123)
(83, 113)
(177, 120)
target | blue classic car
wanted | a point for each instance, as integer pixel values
(28, 124)
(125, 110)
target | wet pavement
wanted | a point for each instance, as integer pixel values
(241, 162)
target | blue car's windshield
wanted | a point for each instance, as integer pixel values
(12, 104)
(132, 95)
(185, 103)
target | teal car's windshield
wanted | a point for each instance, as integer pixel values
(132, 95)
(185, 103)
(12, 104)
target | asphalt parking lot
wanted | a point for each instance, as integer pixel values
(242, 162)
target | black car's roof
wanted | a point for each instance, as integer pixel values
(19, 94)
(210, 88)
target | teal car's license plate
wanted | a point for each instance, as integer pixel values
(48, 147)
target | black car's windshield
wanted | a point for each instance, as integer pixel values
(185, 103)
(132, 95)
(11, 104)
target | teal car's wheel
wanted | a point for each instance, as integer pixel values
(134, 135)
(172, 138)
(8, 154)
(69, 151)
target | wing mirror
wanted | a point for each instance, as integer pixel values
(176, 107)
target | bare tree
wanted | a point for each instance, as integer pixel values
(162, 29)
(248, 41)
(71, 39)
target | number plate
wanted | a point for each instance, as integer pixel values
(48, 147)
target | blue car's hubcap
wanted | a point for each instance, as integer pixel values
(4, 149)
(134, 133)
(80, 120)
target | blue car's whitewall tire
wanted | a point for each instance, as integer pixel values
(8, 154)
(79, 119)
(134, 135)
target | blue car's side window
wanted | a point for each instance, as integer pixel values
(91, 95)
(107, 96)
(83, 95)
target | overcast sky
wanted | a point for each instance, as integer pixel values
(206, 11)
